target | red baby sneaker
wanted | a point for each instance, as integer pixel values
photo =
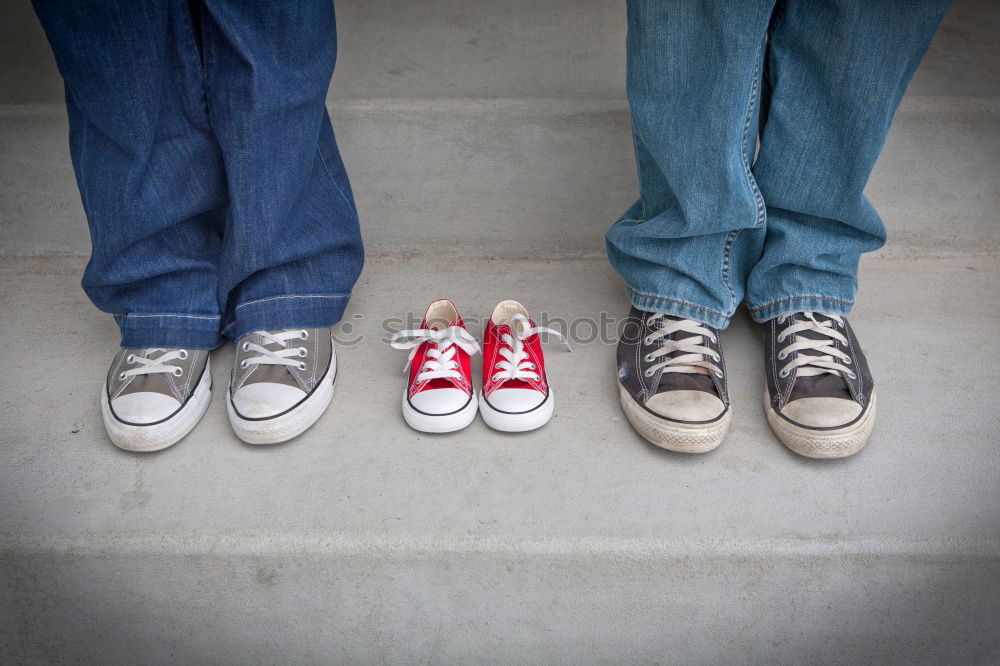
(516, 394)
(439, 395)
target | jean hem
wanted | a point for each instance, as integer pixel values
(287, 311)
(677, 308)
(791, 304)
(169, 330)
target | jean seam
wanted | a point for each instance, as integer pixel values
(279, 298)
(129, 315)
(678, 302)
(329, 175)
(802, 298)
(758, 200)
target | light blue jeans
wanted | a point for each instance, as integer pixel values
(816, 82)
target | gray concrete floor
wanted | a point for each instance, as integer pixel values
(369, 524)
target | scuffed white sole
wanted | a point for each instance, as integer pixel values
(290, 424)
(673, 435)
(161, 435)
(506, 422)
(839, 443)
(440, 424)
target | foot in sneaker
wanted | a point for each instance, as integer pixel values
(282, 382)
(672, 381)
(154, 397)
(438, 396)
(819, 398)
(516, 393)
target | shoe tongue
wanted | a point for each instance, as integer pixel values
(685, 381)
(819, 386)
(272, 374)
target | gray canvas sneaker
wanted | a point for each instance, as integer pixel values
(672, 381)
(282, 382)
(154, 397)
(819, 394)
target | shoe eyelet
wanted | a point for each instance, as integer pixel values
(647, 340)
(245, 346)
(183, 354)
(648, 358)
(178, 372)
(781, 319)
(302, 366)
(782, 356)
(130, 359)
(717, 358)
(303, 352)
(852, 375)
(304, 334)
(849, 360)
(783, 374)
(719, 375)
(121, 377)
(647, 373)
(243, 365)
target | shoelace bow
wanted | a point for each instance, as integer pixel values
(284, 356)
(439, 360)
(693, 356)
(826, 356)
(515, 364)
(154, 366)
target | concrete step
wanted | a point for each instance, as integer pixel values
(532, 177)
(364, 541)
(512, 48)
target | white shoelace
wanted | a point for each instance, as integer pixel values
(439, 361)
(810, 365)
(284, 356)
(515, 364)
(694, 356)
(154, 366)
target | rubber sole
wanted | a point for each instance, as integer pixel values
(523, 422)
(291, 424)
(823, 444)
(157, 437)
(440, 424)
(674, 435)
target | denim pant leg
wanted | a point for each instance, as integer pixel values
(836, 72)
(694, 69)
(147, 166)
(292, 248)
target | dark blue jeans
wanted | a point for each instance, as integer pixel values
(217, 200)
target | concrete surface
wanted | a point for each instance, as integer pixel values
(368, 541)
(481, 177)
(508, 48)
(498, 131)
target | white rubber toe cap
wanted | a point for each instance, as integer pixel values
(440, 401)
(265, 399)
(515, 400)
(822, 412)
(694, 406)
(144, 407)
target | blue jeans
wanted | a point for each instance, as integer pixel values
(816, 82)
(216, 197)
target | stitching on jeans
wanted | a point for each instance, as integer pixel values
(335, 185)
(801, 298)
(180, 316)
(726, 253)
(672, 300)
(278, 298)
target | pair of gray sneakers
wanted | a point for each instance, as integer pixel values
(281, 383)
(819, 395)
